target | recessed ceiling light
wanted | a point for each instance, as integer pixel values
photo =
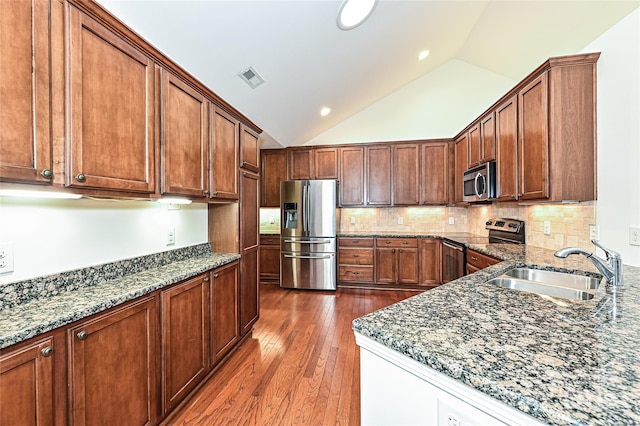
(325, 111)
(354, 12)
(423, 55)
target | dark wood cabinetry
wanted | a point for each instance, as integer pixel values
(461, 160)
(269, 257)
(477, 261)
(351, 161)
(507, 144)
(25, 139)
(434, 181)
(249, 149)
(110, 81)
(273, 171)
(184, 138)
(378, 175)
(225, 330)
(300, 164)
(406, 174)
(488, 138)
(112, 366)
(249, 291)
(249, 249)
(474, 145)
(184, 338)
(356, 260)
(396, 260)
(430, 259)
(27, 384)
(326, 163)
(224, 155)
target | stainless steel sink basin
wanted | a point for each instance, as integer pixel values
(554, 284)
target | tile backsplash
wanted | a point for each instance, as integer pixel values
(385, 219)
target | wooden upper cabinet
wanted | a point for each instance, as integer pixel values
(434, 188)
(378, 175)
(112, 110)
(461, 165)
(507, 149)
(249, 211)
(534, 139)
(326, 163)
(249, 149)
(474, 145)
(351, 175)
(224, 155)
(406, 174)
(25, 138)
(488, 138)
(184, 138)
(301, 164)
(273, 171)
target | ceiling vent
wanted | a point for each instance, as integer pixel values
(251, 77)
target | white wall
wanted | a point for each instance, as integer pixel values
(52, 236)
(438, 105)
(618, 205)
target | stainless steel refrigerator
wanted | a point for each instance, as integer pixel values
(308, 234)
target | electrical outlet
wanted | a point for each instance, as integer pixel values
(171, 236)
(634, 236)
(594, 232)
(452, 220)
(547, 227)
(6, 258)
(353, 220)
(400, 220)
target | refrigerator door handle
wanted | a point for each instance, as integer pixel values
(305, 207)
(292, 256)
(307, 242)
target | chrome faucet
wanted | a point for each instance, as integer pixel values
(611, 268)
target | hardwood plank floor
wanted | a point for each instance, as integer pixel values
(301, 366)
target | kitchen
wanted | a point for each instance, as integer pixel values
(126, 229)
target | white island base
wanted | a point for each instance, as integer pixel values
(397, 390)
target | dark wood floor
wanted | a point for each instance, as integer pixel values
(301, 365)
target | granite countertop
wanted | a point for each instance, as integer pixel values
(552, 359)
(410, 234)
(64, 298)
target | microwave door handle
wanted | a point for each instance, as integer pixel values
(478, 176)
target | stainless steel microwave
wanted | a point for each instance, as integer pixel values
(479, 183)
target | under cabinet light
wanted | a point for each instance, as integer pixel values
(22, 193)
(174, 201)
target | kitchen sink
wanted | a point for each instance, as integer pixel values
(549, 283)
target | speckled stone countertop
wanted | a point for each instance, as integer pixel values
(407, 234)
(33, 307)
(552, 359)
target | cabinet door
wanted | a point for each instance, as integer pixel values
(249, 291)
(249, 149)
(185, 338)
(533, 148)
(224, 155)
(385, 265)
(378, 179)
(474, 145)
(430, 261)
(461, 165)
(351, 176)
(406, 172)
(434, 174)
(300, 164)
(26, 385)
(249, 221)
(506, 141)
(112, 110)
(184, 139)
(269, 262)
(25, 139)
(326, 163)
(274, 171)
(224, 311)
(112, 367)
(488, 138)
(407, 266)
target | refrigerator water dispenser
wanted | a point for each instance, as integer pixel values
(290, 213)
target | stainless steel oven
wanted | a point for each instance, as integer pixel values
(479, 183)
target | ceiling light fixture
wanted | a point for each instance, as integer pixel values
(423, 55)
(38, 194)
(354, 12)
(325, 111)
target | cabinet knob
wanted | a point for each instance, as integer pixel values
(46, 173)
(82, 335)
(214, 193)
(356, 255)
(474, 258)
(81, 178)
(393, 250)
(206, 279)
(215, 275)
(405, 242)
(205, 192)
(387, 242)
(47, 351)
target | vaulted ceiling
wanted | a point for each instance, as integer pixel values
(308, 63)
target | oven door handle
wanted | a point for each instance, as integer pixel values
(453, 247)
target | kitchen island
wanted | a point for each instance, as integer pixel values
(520, 357)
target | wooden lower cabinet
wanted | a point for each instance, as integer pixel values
(224, 311)
(185, 338)
(430, 259)
(355, 260)
(26, 384)
(249, 297)
(112, 366)
(269, 257)
(396, 260)
(477, 261)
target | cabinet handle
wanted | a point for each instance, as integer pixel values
(474, 258)
(46, 173)
(47, 351)
(214, 193)
(405, 242)
(81, 178)
(82, 335)
(244, 163)
(356, 255)
(215, 275)
(387, 242)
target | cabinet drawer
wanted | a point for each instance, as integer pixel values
(355, 242)
(396, 242)
(269, 240)
(480, 260)
(355, 256)
(356, 273)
